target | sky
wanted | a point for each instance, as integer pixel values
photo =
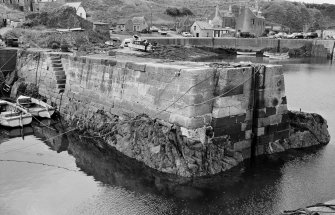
(316, 1)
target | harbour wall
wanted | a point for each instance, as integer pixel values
(189, 119)
(320, 48)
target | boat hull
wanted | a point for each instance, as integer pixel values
(246, 53)
(17, 121)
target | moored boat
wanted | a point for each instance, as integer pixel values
(276, 55)
(35, 107)
(246, 53)
(11, 115)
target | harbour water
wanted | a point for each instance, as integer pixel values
(67, 175)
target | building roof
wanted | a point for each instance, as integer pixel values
(138, 20)
(76, 5)
(204, 25)
(122, 21)
(100, 23)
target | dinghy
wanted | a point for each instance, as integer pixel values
(246, 53)
(35, 107)
(11, 115)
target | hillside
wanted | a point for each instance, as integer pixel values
(112, 10)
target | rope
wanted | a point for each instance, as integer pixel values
(204, 102)
(43, 123)
(39, 163)
(307, 211)
(8, 61)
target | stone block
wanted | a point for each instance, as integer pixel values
(280, 135)
(282, 109)
(229, 101)
(136, 66)
(227, 121)
(271, 111)
(241, 145)
(248, 134)
(263, 122)
(260, 131)
(275, 119)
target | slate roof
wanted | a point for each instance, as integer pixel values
(203, 25)
(138, 20)
(76, 5)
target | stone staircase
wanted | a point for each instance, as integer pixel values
(58, 69)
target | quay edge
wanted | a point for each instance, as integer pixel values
(184, 118)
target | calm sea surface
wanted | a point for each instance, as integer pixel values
(65, 175)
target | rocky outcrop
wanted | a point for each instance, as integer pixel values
(307, 129)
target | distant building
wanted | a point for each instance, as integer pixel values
(100, 27)
(271, 26)
(139, 24)
(185, 24)
(201, 29)
(79, 8)
(329, 33)
(250, 21)
(121, 25)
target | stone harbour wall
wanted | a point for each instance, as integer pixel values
(188, 119)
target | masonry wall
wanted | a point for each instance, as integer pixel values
(255, 44)
(210, 108)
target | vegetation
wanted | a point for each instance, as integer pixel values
(175, 12)
(298, 16)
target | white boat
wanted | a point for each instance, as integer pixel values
(35, 107)
(246, 53)
(11, 115)
(279, 56)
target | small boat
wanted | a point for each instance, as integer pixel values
(11, 115)
(279, 56)
(35, 107)
(246, 53)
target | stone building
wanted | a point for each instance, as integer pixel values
(250, 21)
(80, 10)
(201, 29)
(139, 24)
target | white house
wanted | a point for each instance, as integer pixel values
(79, 8)
(201, 29)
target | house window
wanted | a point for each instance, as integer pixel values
(207, 34)
(195, 27)
(253, 21)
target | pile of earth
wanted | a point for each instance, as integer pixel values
(62, 17)
(179, 53)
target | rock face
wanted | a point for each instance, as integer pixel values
(165, 148)
(307, 129)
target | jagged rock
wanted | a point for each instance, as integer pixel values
(312, 122)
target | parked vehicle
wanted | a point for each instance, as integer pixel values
(311, 35)
(11, 115)
(139, 44)
(247, 35)
(186, 34)
(35, 107)
(296, 36)
(154, 29)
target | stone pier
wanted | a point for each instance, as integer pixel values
(189, 119)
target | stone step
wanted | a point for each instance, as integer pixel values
(62, 81)
(61, 91)
(56, 64)
(60, 77)
(55, 58)
(58, 68)
(56, 61)
(59, 73)
(61, 86)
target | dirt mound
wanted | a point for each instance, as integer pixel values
(62, 17)
(179, 53)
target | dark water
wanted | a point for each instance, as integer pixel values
(66, 175)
